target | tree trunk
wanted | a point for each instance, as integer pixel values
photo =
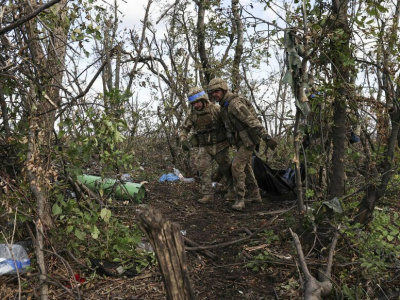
(341, 54)
(299, 189)
(201, 33)
(45, 99)
(4, 113)
(47, 51)
(392, 92)
(239, 46)
(167, 242)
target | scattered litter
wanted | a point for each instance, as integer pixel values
(123, 189)
(120, 270)
(126, 177)
(145, 246)
(168, 177)
(78, 279)
(181, 177)
(115, 269)
(10, 262)
(176, 176)
(112, 268)
(308, 208)
(70, 194)
(215, 184)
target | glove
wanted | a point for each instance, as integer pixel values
(186, 145)
(270, 143)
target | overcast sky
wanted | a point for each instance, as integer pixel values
(133, 11)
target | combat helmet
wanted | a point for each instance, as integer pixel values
(196, 94)
(216, 84)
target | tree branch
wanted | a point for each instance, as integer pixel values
(27, 17)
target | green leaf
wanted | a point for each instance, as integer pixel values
(70, 228)
(80, 234)
(57, 210)
(95, 232)
(105, 214)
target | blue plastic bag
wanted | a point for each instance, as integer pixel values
(168, 177)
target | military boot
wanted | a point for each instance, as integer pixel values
(253, 196)
(239, 204)
(230, 196)
(206, 199)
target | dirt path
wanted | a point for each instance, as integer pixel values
(229, 275)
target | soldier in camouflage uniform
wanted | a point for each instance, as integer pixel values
(244, 131)
(205, 120)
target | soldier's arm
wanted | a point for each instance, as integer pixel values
(242, 112)
(186, 127)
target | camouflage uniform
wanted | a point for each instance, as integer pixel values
(244, 131)
(213, 145)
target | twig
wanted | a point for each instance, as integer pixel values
(166, 11)
(88, 191)
(315, 240)
(231, 242)
(67, 265)
(280, 211)
(55, 283)
(76, 260)
(194, 244)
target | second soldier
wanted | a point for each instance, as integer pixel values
(205, 120)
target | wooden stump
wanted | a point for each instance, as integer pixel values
(167, 242)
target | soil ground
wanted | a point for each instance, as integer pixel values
(229, 275)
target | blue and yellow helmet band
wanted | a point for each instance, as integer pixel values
(193, 98)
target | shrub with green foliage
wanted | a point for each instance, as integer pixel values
(92, 231)
(379, 245)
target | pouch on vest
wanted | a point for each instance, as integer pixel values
(204, 138)
(247, 141)
(194, 140)
(230, 138)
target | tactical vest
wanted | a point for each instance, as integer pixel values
(208, 128)
(241, 131)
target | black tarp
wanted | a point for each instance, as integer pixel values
(273, 181)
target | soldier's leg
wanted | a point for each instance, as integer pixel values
(239, 163)
(224, 163)
(204, 166)
(252, 190)
(250, 181)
